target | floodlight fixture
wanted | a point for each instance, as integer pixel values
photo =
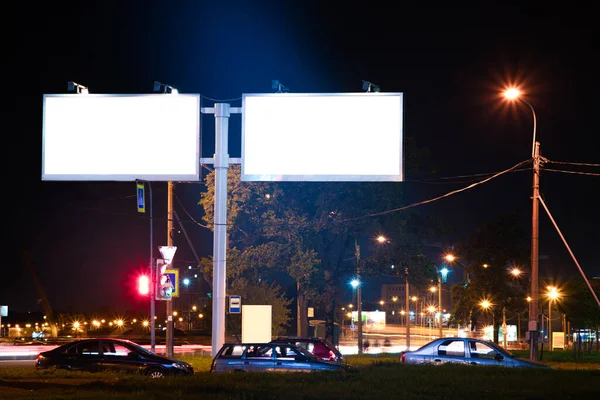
(278, 86)
(163, 88)
(76, 87)
(370, 87)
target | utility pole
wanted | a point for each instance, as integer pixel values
(407, 310)
(504, 329)
(518, 327)
(550, 346)
(169, 302)
(440, 302)
(358, 298)
(533, 304)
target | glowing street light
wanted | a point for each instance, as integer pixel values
(382, 239)
(449, 257)
(516, 272)
(485, 304)
(553, 294)
(513, 94)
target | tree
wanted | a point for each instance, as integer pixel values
(578, 303)
(269, 241)
(492, 252)
(309, 230)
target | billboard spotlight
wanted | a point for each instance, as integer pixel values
(162, 88)
(76, 87)
(370, 87)
(278, 86)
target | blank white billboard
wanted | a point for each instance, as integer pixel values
(322, 137)
(115, 137)
(257, 323)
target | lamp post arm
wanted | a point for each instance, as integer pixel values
(534, 126)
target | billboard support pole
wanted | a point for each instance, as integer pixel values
(221, 111)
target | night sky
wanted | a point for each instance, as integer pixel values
(87, 240)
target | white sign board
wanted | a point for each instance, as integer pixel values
(558, 340)
(256, 324)
(167, 252)
(235, 304)
(322, 137)
(113, 137)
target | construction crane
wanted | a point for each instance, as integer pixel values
(42, 295)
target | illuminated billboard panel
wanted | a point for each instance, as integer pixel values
(322, 137)
(114, 137)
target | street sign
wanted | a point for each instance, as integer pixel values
(235, 304)
(141, 206)
(173, 275)
(167, 252)
(353, 327)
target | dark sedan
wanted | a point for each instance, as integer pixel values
(467, 351)
(108, 354)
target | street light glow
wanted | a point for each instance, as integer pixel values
(381, 239)
(512, 93)
(354, 283)
(485, 304)
(553, 293)
(449, 257)
(515, 272)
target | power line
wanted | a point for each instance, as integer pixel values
(436, 181)
(439, 197)
(571, 172)
(188, 214)
(572, 163)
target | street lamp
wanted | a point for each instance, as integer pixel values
(552, 294)
(515, 94)
(485, 305)
(451, 258)
(443, 274)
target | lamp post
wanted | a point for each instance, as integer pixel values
(407, 310)
(515, 94)
(486, 305)
(552, 296)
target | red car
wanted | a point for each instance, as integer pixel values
(317, 346)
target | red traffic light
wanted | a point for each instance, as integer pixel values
(143, 285)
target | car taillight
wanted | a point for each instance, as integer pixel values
(37, 360)
(402, 356)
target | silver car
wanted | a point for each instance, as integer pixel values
(269, 357)
(467, 351)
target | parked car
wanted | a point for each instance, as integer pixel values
(106, 354)
(269, 357)
(468, 351)
(317, 346)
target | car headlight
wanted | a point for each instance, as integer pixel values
(180, 366)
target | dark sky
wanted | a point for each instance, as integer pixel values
(86, 239)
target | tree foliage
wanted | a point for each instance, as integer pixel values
(578, 303)
(491, 253)
(309, 231)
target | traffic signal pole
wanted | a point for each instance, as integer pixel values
(152, 279)
(169, 342)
